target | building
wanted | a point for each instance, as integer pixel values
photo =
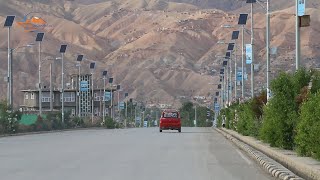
(76, 102)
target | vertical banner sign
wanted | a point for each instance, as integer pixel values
(239, 75)
(301, 7)
(107, 96)
(248, 53)
(84, 86)
(121, 105)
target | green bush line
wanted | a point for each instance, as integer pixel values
(291, 118)
(10, 122)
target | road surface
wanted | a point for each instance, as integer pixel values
(131, 154)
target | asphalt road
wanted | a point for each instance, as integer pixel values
(132, 154)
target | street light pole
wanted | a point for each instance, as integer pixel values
(79, 59)
(39, 39)
(79, 67)
(242, 62)
(252, 43)
(230, 79)
(62, 87)
(104, 99)
(268, 49)
(51, 102)
(40, 93)
(235, 72)
(8, 23)
(298, 48)
(227, 85)
(9, 67)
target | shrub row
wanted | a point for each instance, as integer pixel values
(290, 119)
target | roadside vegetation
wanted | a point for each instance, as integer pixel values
(187, 112)
(291, 118)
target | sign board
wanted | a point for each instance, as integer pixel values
(84, 86)
(248, 53)
(145, 123)
(138, 119)
(107, 96)
(301, 7)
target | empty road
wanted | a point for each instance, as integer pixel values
(131, 154)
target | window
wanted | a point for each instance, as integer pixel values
(26, 96)
(32, 95)
(45, 99)
(68, 97)
(170, 115)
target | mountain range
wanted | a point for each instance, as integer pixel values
(160, 51)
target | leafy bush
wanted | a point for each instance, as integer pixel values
(282, 112)
(109, 123)
(42, 125)
(307, 139)
(9, 119)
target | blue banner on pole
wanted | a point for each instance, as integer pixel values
(301, 7)
(84, 86)
(107, 96)
(121, 105)
(216, 107)
(248, 53)
(239, 75)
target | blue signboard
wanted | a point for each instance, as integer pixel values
(145, 124)
(107, 96)
(301, 7)
(121, 105)
(248, 53)
(84, 86)
(239, 75)
(216, 107)
(138, 119)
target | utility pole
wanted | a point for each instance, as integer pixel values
(195, 116)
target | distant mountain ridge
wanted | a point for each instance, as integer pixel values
(158, 50)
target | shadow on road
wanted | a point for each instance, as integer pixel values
(185, 132)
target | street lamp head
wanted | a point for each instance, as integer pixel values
(58, 58)
(9, 21)
(226, 26)
(80, 57)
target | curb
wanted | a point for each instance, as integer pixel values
(304, 170)
(48, 132)
(273, 168)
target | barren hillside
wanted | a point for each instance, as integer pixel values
(158, 50)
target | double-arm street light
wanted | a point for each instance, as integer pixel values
(10, 72)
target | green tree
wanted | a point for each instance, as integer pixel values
(282, 112)
(307, 139)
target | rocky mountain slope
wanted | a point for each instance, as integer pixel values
(159, 50)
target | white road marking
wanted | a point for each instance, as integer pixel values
(244, 157)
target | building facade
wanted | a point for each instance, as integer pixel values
(80, 98)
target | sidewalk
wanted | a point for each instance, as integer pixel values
(304, 167)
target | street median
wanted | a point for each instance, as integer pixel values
(304, 167)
